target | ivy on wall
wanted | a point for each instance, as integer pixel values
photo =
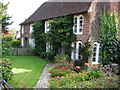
(61, 35)
(108, 39)
(40, 45)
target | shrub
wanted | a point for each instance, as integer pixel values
(94, 74)
(62, 63)
(15, 43)
(6, 47)
(71, 80)
(60, 72)
(6, 69)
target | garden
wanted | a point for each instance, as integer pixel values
(24, 71)
(66, 75)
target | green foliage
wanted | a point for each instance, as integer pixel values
(6, 69)
(6, 47)
(40, 45)
(108, 39)
(60, 35)
(94, 74)
(61, 72)
(62, 57)
(15, 43)
(4, 17)
(73, 80)
(85, 53)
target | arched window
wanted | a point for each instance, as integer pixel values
(78, 24)
(76, 50)
(95, 53)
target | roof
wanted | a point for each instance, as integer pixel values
(54, 9)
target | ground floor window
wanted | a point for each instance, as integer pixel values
(31, 42)
(48, 47)
(76, 50)
(95, 53)
(22, 41)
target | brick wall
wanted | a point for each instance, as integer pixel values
(26, 34)
(95, 10)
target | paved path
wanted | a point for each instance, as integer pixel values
(45, 76)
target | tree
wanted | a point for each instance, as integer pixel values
(4, 17)
(6, 69)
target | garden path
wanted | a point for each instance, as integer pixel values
(45, 76)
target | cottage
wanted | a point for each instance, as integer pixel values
(86, 22)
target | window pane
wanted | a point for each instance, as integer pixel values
(79, 51)
(80, 30)
(81, 17)
(75, 25)
(93, 59)
(80, 24)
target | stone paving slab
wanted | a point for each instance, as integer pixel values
(45, 76)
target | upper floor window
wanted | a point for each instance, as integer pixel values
(31, 28)
(78, 24)
(47, 26)
(22, 30)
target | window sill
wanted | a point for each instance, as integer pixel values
(79, 33)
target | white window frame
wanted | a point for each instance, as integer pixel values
(75, 53)
(48, 46)
(31, 42)
(47, 26)
(78, 24)
(97, 53)
(22, 41)
(22, 30)
(31, 28)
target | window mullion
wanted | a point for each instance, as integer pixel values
(77, 50)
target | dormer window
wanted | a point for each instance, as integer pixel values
(47, 26)
(78, 24)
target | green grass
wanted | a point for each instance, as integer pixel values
(27, 70)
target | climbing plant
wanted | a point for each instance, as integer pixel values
(38, 30)
(60, 35)
(108, 38)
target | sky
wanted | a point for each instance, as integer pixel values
(21, 10)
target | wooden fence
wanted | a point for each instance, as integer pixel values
(22, 51)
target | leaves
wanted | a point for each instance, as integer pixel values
(108, 38)
(4, 17)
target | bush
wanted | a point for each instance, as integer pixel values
(6, 47)
(94, 74)
(63, 62)
(15, 43)
(72, 80)
(6, 69)
(60, 72)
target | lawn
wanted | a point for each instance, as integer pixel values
(27, 70)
